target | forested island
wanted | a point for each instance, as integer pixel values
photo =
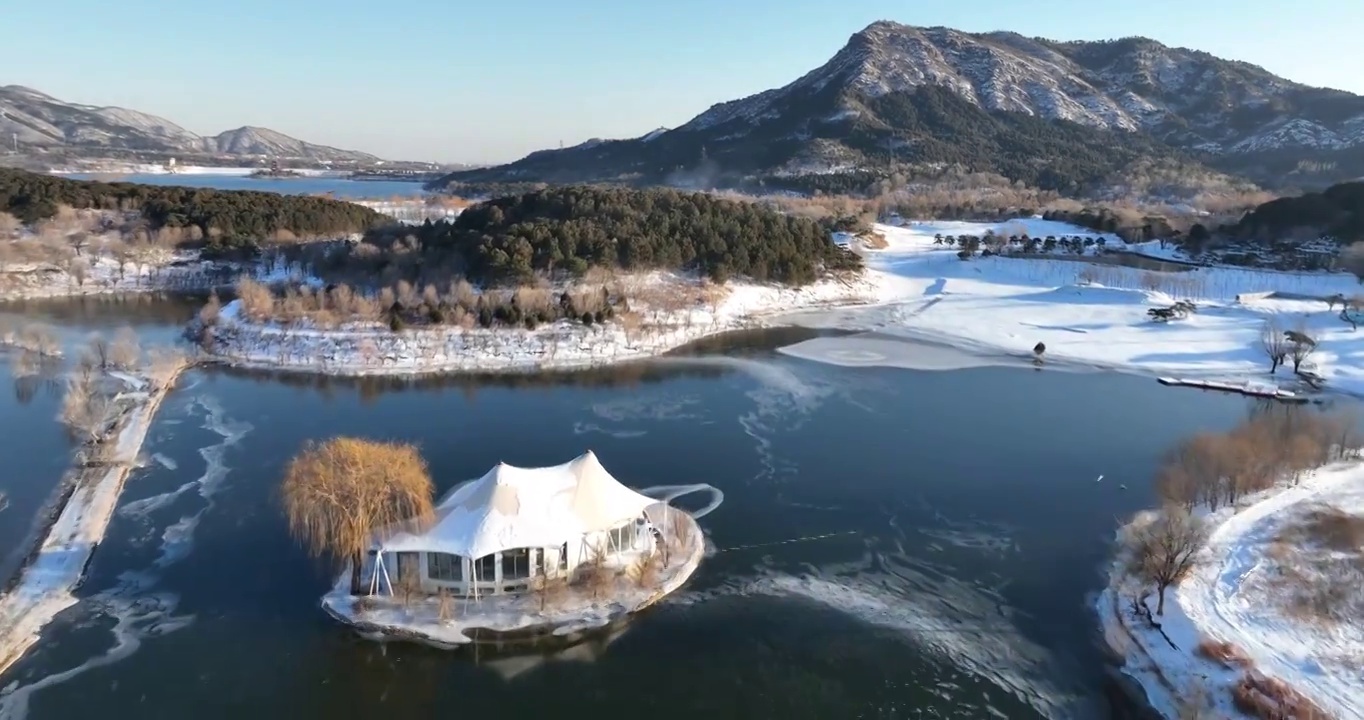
(561, 277)
(523, 252)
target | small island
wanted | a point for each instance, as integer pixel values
(275, 171)
(517, 553)
(557, 278)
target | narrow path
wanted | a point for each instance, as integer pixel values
(1216, 599)
(46, 584)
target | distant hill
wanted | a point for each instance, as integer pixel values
(1337, 211)
(44, 122)
(1079, 117)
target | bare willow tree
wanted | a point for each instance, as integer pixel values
(337, 494)
(1163, 549)
(1300, 345)
(97, 347)
(84, 406)
(39, 338)
(1274, 343)
(124, 352)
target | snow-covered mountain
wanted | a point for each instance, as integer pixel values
(42, 121)
(901, 94)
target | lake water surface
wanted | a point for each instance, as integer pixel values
(340, 187)
(892, 544)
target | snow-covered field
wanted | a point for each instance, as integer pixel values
(992, 310)
(46, 585)
(1085, 313)
(1228, 598)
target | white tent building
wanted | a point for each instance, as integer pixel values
(494, 534)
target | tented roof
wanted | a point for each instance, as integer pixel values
(514, 507)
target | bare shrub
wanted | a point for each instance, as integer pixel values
(645, 571)
(548, 590)
(338, 493)
(1266, 698)
(79, 270)
(85, 409)
(38, 338)
(256, 300)
(1163, 549)
(874, 240)
(97, 348)
(445, 602)
(1222, 653)
(210, 312)
(595, 574)
(409, 584)
(1317, 565)
(125, 353)
(1333, 528)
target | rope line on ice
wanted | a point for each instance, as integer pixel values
(789, 541)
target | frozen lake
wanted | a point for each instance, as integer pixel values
(894, 542)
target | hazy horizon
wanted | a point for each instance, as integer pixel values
(459, 82)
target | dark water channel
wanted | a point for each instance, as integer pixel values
(893, 544)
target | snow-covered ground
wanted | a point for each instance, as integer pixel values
(180, 271)
(995, 309)
(414, 211)
(366, 349)
(1228, 598)
(46, 585)
(1084, 313)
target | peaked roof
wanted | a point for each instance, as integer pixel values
(513, 507)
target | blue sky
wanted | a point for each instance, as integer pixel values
(455, 80)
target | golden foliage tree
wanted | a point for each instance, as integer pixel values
(337, 494)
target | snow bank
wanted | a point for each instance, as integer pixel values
(1084, 313)
(177, 272)
(1217, 602)
(372, 350)
(46, 585)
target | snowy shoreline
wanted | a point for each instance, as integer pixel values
(374, 350)
(45, 585)
(513, 616)
(1207, 606)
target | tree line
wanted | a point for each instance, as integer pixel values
(572, 229)
(1214, 470)
(221, 220)
(1337, 211)
(405, 305)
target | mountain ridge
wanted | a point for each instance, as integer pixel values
(883, 99)
(40, 121)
